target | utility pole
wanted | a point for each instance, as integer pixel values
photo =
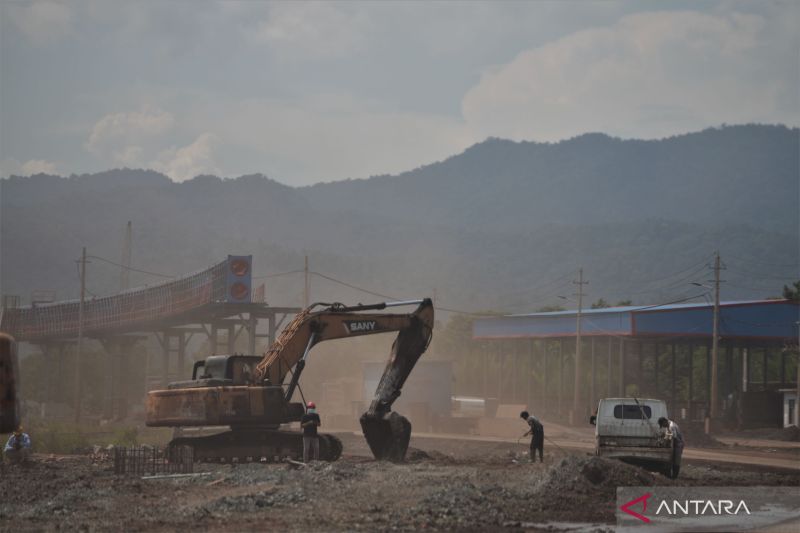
(78, 354)
(307, 288)
(576, 401)
(714, 407)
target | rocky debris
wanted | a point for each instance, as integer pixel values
(466, 505)
(253, 502)
(101, 454)
(415, 455)
(585, 472)
(588, 484)
(574, 486)
(481, 489)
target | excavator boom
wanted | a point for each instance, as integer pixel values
(387, 433)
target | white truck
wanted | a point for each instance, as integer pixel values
(628, 429)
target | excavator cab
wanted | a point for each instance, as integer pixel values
(221, 371)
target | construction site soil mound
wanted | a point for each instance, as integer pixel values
(447, 484)
(589, 484)
(788, 434)
(415, 455)
(701, 439)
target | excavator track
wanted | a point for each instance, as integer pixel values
(263, 445)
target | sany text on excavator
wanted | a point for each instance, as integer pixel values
(252, 396)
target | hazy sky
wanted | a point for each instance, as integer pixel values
(320, 91)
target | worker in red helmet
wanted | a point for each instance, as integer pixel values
(310, 422)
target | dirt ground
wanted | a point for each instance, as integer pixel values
(447, 484)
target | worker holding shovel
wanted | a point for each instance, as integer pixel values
(537, 435)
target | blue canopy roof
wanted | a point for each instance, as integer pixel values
(755, 319)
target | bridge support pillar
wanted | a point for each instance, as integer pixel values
(169, 347)
(52, 351)
(116, 385)
(111, 348)
(252, 324)
(165, 340)
(231, 339)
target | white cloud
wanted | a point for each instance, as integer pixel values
(333, 137)
(313, 29)
(649, 75)
(184, 163)
(38, 166)
(119, 136)
(330, 90)
(41, 22)
(11, 166)
(137, 139)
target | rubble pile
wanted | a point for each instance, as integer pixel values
(464, 505)
(252, 502)
(589, 484)
(415, 455)
(448, 484)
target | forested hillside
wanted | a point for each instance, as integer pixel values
(502, 226)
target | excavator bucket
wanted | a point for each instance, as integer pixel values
(387, 435)
(387, 432)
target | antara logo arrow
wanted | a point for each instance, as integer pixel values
(643, 499)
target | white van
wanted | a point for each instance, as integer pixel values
(627, 429)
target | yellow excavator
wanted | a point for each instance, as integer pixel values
(252, 396)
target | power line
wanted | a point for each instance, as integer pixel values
(78, 267)
(679, 272)
(388, 297)
(340, 282)
(560, 281)
(277, 274)
(696, 270)
(670, 303)
(130, 268)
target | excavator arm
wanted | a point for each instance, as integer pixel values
(386, 432)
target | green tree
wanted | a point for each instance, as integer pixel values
(600, 304)
(792, 292)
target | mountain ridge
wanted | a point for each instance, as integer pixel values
(483, 229)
